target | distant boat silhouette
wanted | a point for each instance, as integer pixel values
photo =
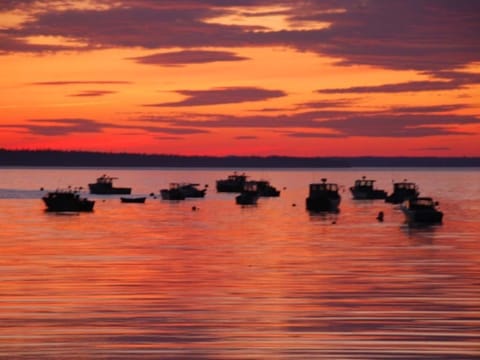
(265, 189)
(422, 210)
(104, 186)
(67, 200)
(172, 193)
(323, 197)
(402, 191)
(363, 189)
(138, 200)
(234, 183)
(249, 194)
(191, 190)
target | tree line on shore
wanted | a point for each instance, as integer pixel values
(45, 158)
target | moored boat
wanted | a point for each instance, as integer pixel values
(67, 200)
(104, 186)
(323, 197)
(363, 189)
(233, 183)
(422, 210)
(249, 194)
(265, 189)
(191, 190)
(402, 191)
(172, 193)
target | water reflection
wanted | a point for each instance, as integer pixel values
(225, 282)
(327, 217)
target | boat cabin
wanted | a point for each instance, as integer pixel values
(364, 183)
(233, 183)
(105, 180)
(405, 186)
(250, 186)
(323, 187)
(237, 177)
(422, 203)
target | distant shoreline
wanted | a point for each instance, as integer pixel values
(54, 158)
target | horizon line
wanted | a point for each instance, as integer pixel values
(240, 156)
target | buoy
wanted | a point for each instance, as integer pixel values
(380, 216)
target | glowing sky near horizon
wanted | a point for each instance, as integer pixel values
(247, 77)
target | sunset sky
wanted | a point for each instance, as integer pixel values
(246, 77)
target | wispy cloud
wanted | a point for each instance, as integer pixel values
(93, 93)
(299, 134)
(12, 44)
(168, 130)
(412, 86)
(178, 58)
(310, 124)
(407, 126)
(434, 148)
(162, 138)
(448, 80)
(69, 126)
(245, 137)
(393, 124)
(428, 108)
(226, 95)
(61, 127)
(321, 104)
(80, 82)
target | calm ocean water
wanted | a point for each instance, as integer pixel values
(160, 281)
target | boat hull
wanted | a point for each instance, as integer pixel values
(246, 199)
(359, 194)
(269, 192)
(231, 187)
(423, 216)
(193, 192)
(100, 189)
(61, 205)
(399, 198)
(172, 194)
(322, 203)
(137, 200)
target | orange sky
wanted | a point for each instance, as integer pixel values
(330, 78)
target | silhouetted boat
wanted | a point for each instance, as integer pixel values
(172, 193)
(266, 189)
(422, 210)
(323, 197)
(67, 200)
(402, 191)
(138, 200)
(363, 190)
(104, 186)
(249, 194)
(234, 183)
(191, 190)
